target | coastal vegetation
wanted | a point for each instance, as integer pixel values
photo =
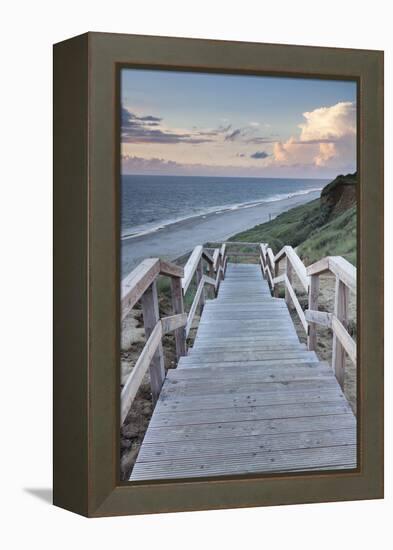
(323, 227)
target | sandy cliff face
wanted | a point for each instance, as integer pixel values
(338, 196)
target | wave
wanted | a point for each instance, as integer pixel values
(140, 231)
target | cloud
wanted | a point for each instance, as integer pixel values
(133, 164)
(329, 123)
(215, 132)
(259, 155)
(261, 139)
(327, 139)
(145, 129)
(233, 135)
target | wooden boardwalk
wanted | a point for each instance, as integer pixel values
(248, 397)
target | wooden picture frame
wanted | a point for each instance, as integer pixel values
(86, 274)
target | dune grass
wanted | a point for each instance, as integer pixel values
(306, 228)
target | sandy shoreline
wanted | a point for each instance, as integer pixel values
(176, 239)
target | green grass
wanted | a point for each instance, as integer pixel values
(336, 238)
(289, 228)
(305, 227)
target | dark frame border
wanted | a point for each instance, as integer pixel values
(86, 304)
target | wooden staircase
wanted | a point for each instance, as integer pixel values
(248, 397)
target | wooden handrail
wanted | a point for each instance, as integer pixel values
(130, 389)
(137, 282)
(140, 284)
(296, 263)
(345, 271)
(134, 380)
(191, 267)
(309, 277)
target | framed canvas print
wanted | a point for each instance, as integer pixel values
(218, 260)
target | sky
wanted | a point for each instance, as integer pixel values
(202, 124)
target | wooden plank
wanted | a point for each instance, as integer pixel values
(210, 281)
(313, 295)
(238, 408)
(288, 273)
(280, 255)
(297, 305)
(194, 306)
(319, 317)
(242, 356)
(246, 428)
(234, 386)
(275, 461)
(222, 372)
(279, 279)
(135, 378)
(298, 266)
(270, 258)
(340, 334)
(151, 316)
(135, 284)
(211, 414)
(238, 364)
(216, 255)
(269, 277)
(343, 336)
(173, 322)
(178, 308)
(170, 269)
(247, 444)
(321, 266)
(191, 266)
(344, 270)
(206, 256)
(200, 278)
(222, 346)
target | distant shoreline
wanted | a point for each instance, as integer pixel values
(176, 239)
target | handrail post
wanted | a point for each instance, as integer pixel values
(199, 275)
(313, 293)
(151, 316)
(178, 307)
(276, 290)
(288, 271)
(341, 299)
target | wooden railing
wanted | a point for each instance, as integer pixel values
(141, 285)
(308, 277)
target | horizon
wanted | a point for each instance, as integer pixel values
(222, 125)
(233, 177)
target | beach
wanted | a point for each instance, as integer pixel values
(175, 239)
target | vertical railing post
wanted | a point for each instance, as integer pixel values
(341, 299)
(288, 272)
(199, 275)
(151, 316)
(178, 307)
(276, 270)
(313, 293)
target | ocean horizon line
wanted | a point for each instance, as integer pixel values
(311, 178)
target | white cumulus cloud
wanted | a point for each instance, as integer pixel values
(327, 139)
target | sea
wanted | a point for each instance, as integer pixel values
(149, 203)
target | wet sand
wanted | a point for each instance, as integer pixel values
(178, 238)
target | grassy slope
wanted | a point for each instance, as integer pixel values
(305, 227)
